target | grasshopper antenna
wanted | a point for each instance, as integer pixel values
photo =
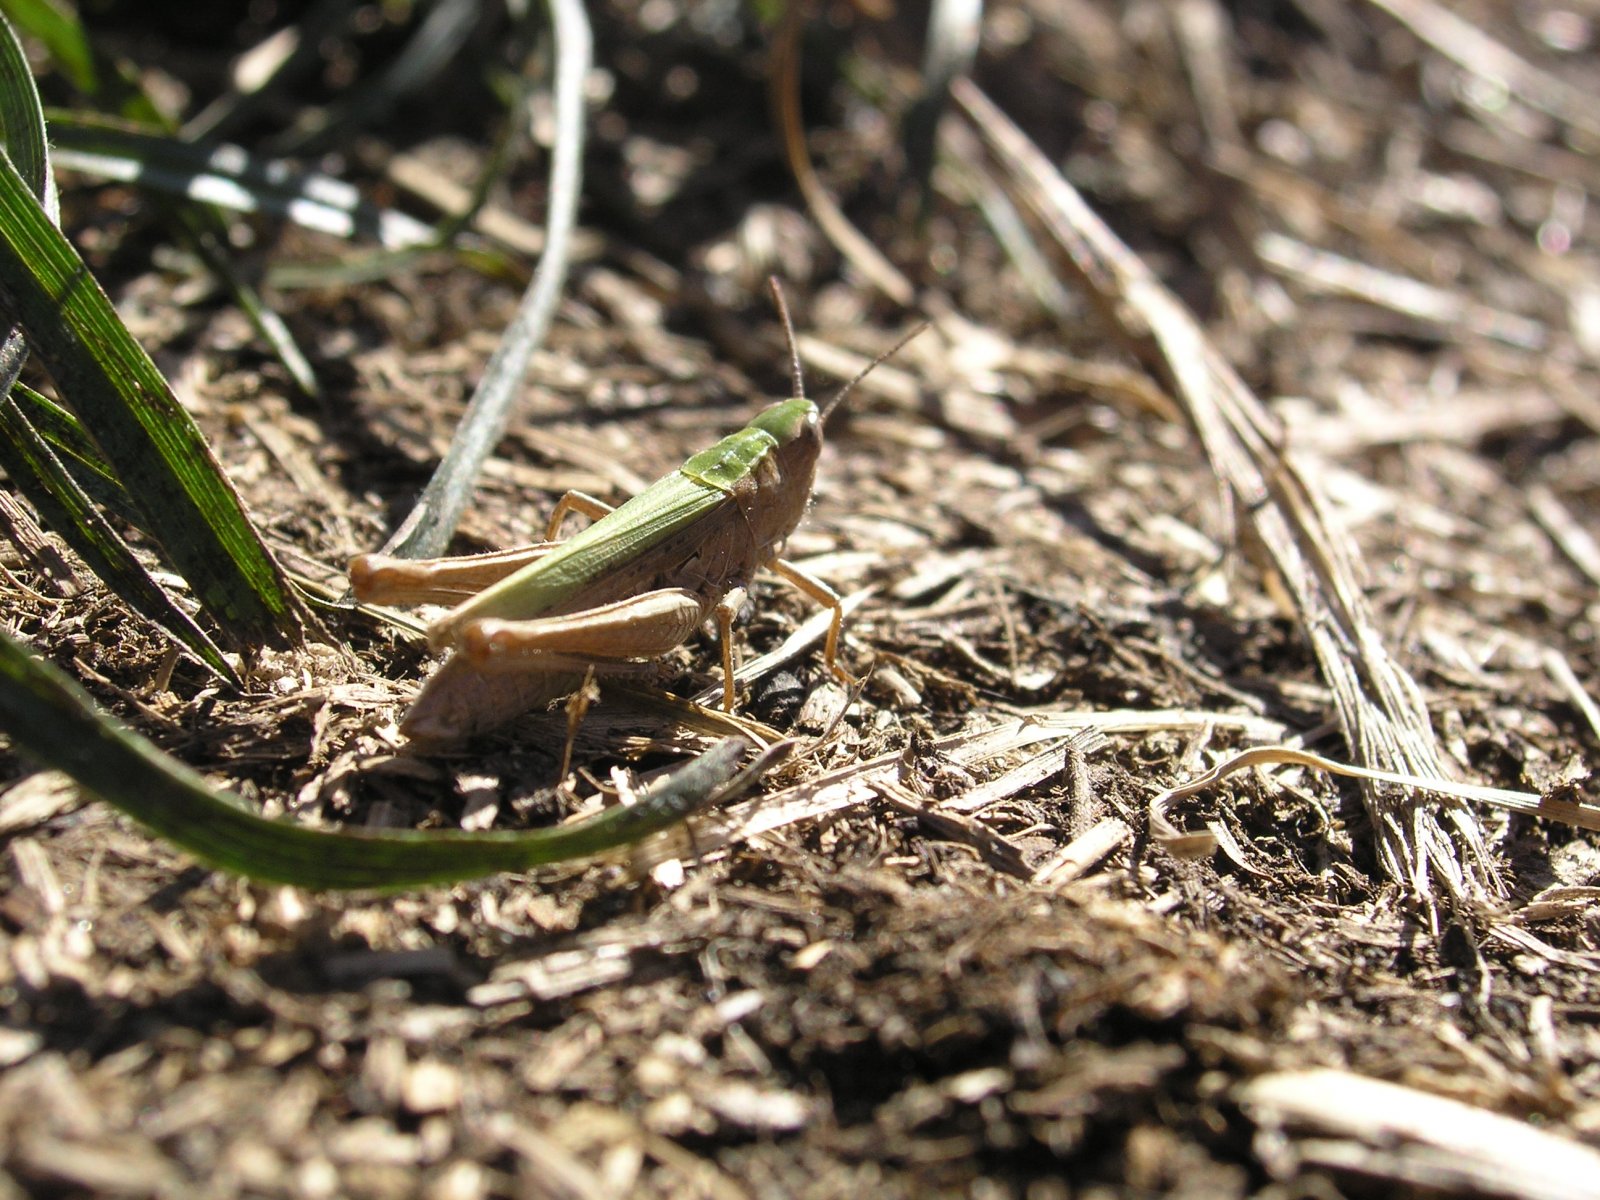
(835, 399)
(782, 306)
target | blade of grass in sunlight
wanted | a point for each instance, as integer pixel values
(36, 472)
(65, 436)
(227, 176)
(50, 720)
(146, 436)
(426, 530)
(61, 33)
(22, 121)
(55, 489)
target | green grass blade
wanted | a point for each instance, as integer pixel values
(40, 476)
(145, 434)
(22, 121)
(64, 434)
(228, 177)
(61, 33)
(51, 721)
(34, 469)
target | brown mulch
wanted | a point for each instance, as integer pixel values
(945, 954)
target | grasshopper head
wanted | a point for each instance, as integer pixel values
(788, 420)
(774, 494)
(797, 428)
(782, 476)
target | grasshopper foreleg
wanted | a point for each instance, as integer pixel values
(726, 609)
(829, 599)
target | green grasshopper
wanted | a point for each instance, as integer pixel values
(628, 588)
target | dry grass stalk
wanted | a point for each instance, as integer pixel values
(1193, 845)
(847, 239)
(984, 742)
(1464, 44)
(1379, 707)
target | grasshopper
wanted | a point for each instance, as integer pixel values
(629, 587)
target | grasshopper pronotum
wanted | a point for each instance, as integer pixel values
(628, 588)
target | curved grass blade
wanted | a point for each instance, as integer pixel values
(51, 721)
(146, 436)
(426, 530)
(22, 121)
(61, 33)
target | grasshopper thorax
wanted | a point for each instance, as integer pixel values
(784, 436)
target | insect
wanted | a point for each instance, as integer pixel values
(626, 589)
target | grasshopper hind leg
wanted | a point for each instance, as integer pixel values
(644, 626)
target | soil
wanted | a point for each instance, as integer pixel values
(971, 970)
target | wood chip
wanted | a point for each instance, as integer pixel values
(1405, 1136)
